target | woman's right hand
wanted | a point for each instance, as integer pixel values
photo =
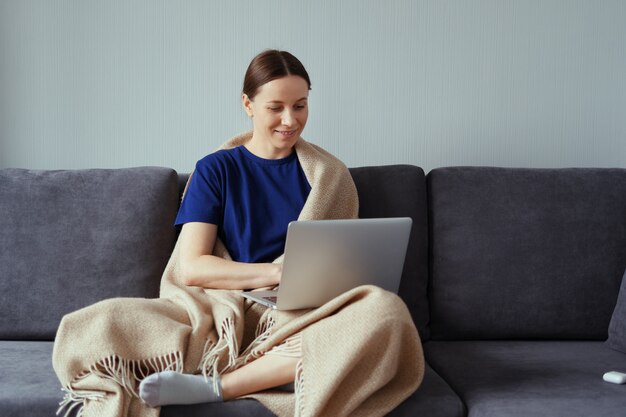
(277, 273)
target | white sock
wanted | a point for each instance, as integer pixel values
(169, 387)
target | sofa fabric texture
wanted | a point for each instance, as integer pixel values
(525, 253)
(71, 238)
(617, 326)
(532, 259)
(28, 385)
(531, 378)
(434, 398)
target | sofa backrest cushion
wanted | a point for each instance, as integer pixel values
(71, 238)
(525, 253)
(400, 191)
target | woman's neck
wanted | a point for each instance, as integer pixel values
(265, 150)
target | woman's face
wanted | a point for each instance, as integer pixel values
(279, 113)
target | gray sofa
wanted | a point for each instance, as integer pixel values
(511, 277)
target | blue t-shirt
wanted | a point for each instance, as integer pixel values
(250, 199)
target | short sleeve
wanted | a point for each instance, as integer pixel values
(203, 199)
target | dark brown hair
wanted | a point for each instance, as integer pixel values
(270, 65)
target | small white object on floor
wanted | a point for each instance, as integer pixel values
(615, 377)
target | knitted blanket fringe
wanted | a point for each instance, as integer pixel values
(103, 351)
(126, 373)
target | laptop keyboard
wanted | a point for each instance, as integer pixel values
(270, 299)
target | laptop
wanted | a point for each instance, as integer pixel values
(325, 258)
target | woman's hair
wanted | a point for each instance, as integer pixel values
(270, 65)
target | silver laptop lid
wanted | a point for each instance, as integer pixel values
(324, 258)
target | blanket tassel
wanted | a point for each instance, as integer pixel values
(76, 398)
(299, 389)
(209, 364)
(126, 373)
(262, 333)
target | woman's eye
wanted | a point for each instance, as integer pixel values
(300, 106)
(275, 108)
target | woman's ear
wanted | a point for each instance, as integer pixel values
(247, 105)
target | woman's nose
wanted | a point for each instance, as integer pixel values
(287, 118)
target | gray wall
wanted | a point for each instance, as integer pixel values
(535, 83)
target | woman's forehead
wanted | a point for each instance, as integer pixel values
(289, 88)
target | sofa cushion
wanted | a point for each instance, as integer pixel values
(29, 387)
(434, 398)
(617, 326)
(28, 384)
(531, 378)
(71, 238)
(525, 253)
(238, 408)
(400, 191)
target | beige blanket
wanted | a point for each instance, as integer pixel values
(361, 354)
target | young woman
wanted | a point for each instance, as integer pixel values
(358, 354)
(246, 195)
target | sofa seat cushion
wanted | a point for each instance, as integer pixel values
(238, 408)
(28, 384)
(29, 388)
(72, 238)
(434, 398)
(531, 378)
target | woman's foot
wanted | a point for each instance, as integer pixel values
(169, 387)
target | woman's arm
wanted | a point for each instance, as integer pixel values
(201, 269)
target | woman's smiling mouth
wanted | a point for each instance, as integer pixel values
(286, 133)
